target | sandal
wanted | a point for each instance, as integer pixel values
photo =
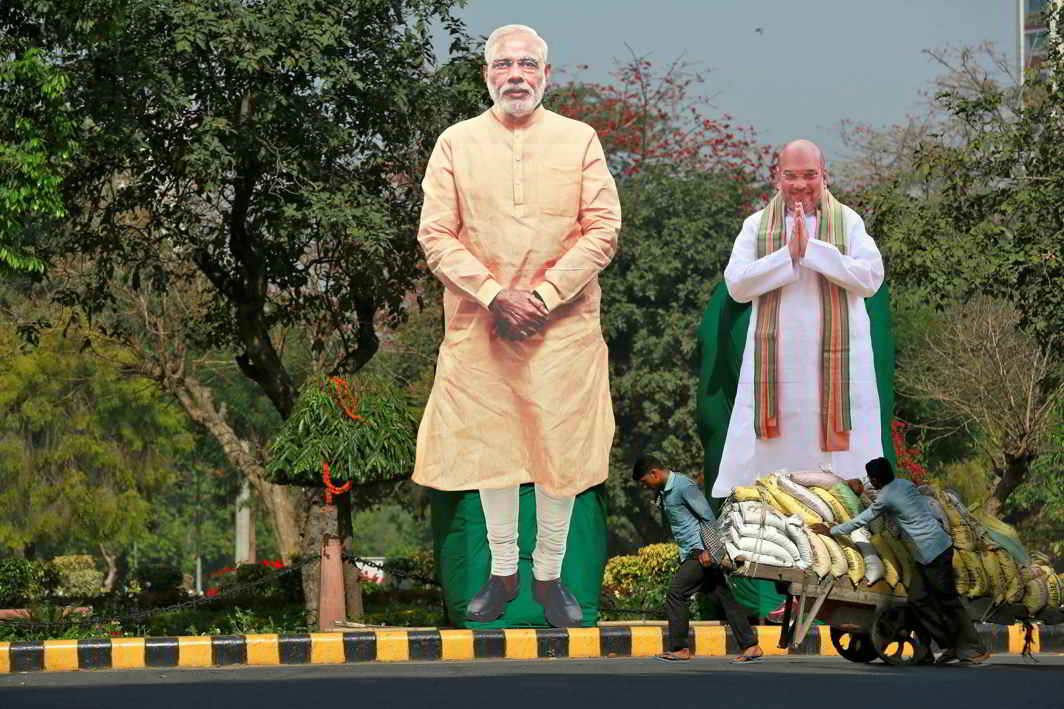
(673, 657)
(748, 658)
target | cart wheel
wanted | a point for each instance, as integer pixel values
(855, 647)
(895, 641)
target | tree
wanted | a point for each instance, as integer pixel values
(965, 201)
(273, 145)
(155, 342)
(886, 156)
(995, 382)
(347, 435)
(36, 146)
(974, 205)
(1037, 507)
(83, 450)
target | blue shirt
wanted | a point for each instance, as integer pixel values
(902, 501)
(683, 505)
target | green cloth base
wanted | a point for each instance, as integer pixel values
(758, 596)
(463, 560)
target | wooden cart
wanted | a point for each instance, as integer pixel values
(867, 622)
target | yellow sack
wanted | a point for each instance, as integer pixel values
(838, 559)
(976, 574)
(994, 575)
(963, 539)
(1035, 595)
(788, 504)
(821, 565)
(1053, 587)
(1030, 572)
(746, 493)
(1013, 579)
(837, 509)
(855, 566)
(891, 573)
(962, 580)
(904, 558)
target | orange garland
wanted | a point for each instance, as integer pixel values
(342, 395)
(331, 489)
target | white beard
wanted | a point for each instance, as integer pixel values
(517, 107)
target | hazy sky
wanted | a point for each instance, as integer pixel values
(813, 63)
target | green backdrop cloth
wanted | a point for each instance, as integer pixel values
(463, 560)
(721, 339)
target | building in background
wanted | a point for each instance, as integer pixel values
(1034, 31)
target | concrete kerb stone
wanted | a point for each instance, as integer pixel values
(434, 644)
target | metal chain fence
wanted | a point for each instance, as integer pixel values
(142, 615)
(139, 616)
(658, 611)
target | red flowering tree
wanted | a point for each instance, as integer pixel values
(652, 117)
(911, 459)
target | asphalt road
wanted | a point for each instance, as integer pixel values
(794, 682)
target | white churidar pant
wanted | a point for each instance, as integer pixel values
(552, 530)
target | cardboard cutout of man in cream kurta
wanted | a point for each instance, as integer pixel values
(520, 216)
(859, 273)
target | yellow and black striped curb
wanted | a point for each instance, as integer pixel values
(404, 645)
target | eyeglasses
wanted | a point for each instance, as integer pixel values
(808, 175)
(526, 64)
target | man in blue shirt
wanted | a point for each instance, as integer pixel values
(933, 598)
(684, 507)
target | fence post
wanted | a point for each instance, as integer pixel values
(331, 606)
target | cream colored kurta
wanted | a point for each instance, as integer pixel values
(860, 273)
(531, 208)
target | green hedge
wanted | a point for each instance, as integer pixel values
(23, 582)
(417, 563)
(78, 576)
(640, 581)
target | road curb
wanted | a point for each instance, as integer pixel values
(406, 645)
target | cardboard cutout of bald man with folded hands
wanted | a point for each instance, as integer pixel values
(807, 394)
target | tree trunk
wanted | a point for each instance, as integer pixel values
(1010, 476)
(320, 520)
(244, 553)
(333, 519)
(352, 586)
(286, 516)
(112, 569)
(198, 402)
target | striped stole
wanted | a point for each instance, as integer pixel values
(835, 423)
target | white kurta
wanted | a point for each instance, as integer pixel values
(860, 273)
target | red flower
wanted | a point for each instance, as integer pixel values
(212, 591)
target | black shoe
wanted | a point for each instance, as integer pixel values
(491, 599)
(559, 606)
